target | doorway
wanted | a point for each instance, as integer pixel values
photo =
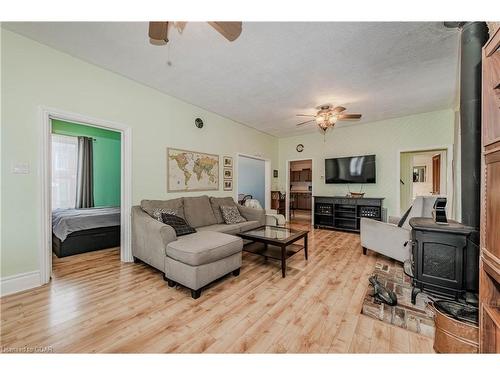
(422, 173)
(299, 191)
(47, 117)
(253, 180)
(85, 194)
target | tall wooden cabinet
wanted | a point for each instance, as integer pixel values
(489, 279)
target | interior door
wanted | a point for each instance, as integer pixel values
(436, 174)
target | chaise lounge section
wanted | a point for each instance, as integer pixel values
(193, 260)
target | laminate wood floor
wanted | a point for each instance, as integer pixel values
(95, 303)
(301, 217)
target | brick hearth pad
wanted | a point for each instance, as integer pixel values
(416, 318)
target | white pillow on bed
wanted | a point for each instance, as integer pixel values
(158, 211)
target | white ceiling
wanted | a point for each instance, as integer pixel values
(275, 70)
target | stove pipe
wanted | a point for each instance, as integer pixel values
(474, 36)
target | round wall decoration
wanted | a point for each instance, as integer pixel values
(300, 147)
(199, 123)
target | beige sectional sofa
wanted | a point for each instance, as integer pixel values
(196, 259)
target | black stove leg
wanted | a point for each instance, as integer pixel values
(414, 293)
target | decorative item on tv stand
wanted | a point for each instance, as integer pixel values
(353, 194)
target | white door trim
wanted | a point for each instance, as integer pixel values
(287, 188)
(267, 178)
(450, 187)
(46, 114)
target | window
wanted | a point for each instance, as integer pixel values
(64, 170)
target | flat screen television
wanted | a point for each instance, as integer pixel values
(350, 170)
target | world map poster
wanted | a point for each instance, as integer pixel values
(191, 170)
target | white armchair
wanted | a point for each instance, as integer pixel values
(272, 216)
(388, 238)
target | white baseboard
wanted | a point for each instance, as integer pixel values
(18, 283)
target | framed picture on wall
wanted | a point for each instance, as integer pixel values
(191, 170)
(228, 173)
(228, 185)
(228, 161)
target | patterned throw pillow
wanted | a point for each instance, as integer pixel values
(178, 223)
(158, 211)
(231, 215)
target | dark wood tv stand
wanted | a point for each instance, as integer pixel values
(343, 213)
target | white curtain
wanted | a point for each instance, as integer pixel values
(64, 170)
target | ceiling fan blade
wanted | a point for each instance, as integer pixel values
(180, 26)
(338, 109)
(158, 32)
(229, 30)
(306, 115)
(305, 122)
(350, 116)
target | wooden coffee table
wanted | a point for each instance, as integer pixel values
(278, 243)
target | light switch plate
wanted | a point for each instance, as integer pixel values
(21, 168)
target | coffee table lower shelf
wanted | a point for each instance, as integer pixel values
(271, 251)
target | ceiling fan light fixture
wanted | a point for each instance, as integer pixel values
(327, 116)
(324, 127)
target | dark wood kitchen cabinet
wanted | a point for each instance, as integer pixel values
(302, 201)
(307, 201)
(304, 175)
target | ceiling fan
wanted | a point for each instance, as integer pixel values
(327, 116)
(158, 31)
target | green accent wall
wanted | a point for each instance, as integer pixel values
(107, 148)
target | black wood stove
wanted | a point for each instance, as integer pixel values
(439, 258)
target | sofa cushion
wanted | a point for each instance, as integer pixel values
(249, 225)
(222, 228)
(231, 215)
(217, 202)
(204, 247)
(178, 223)
(157, 212)
(171, 204)
(198, 211)
(253, 214)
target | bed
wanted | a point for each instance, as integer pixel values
(76, 231)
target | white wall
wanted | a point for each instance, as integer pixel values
(34, 74)
(385, 139)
